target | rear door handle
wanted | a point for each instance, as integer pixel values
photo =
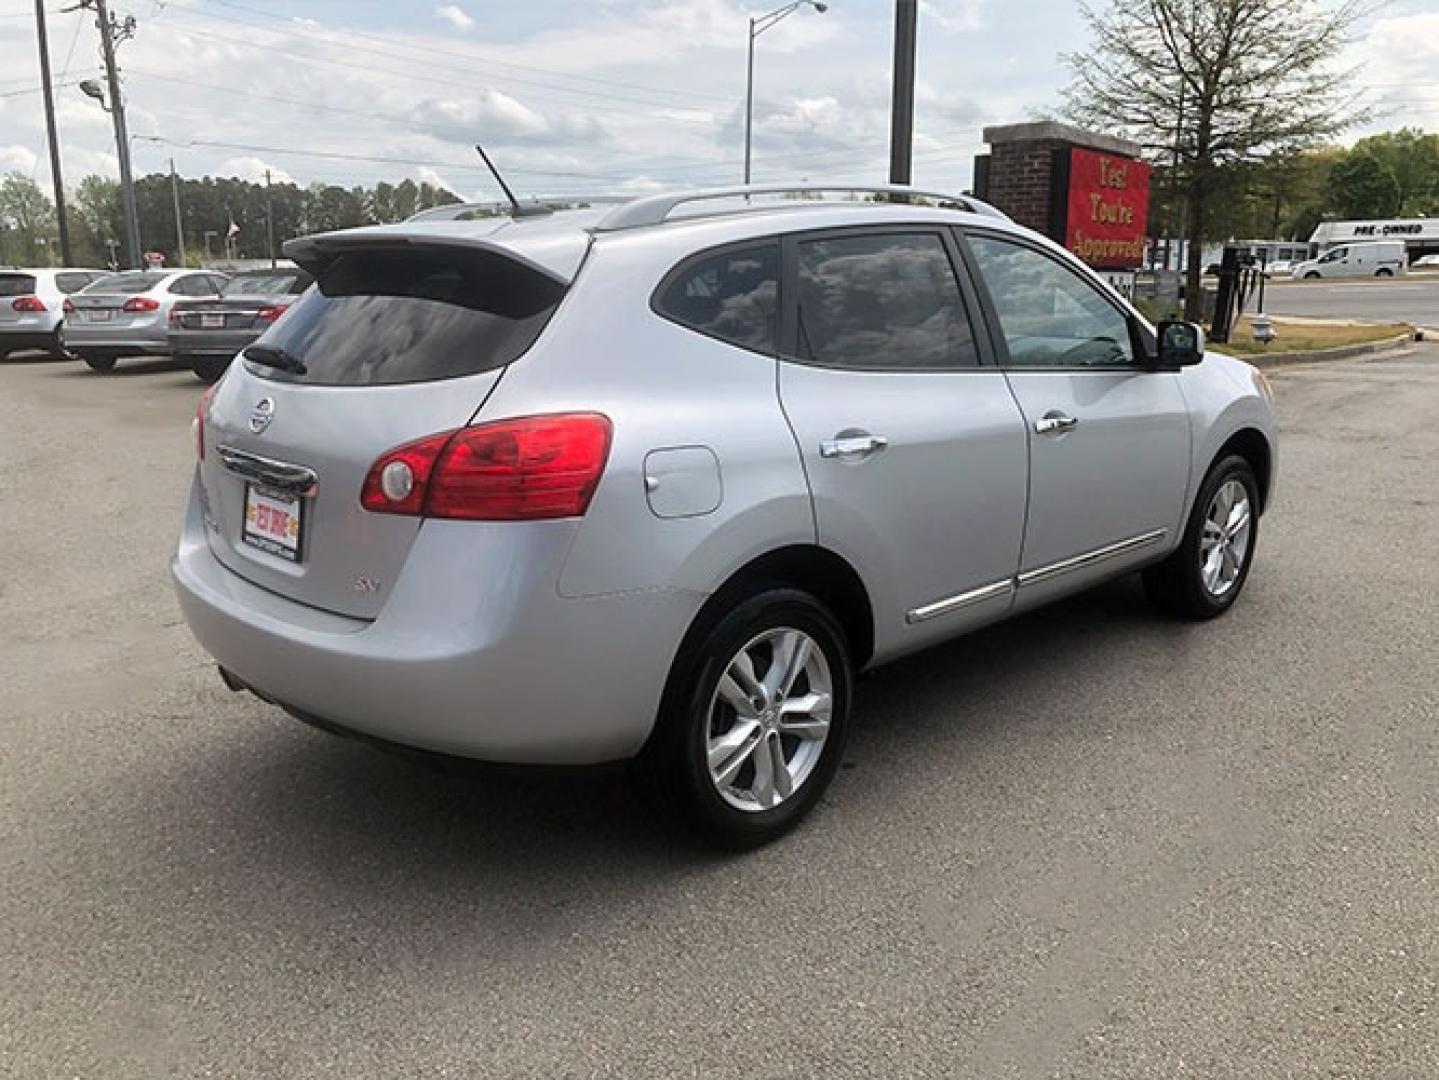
(852, 447)
(1055, 423)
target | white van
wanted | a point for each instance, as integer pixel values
(1381, 258)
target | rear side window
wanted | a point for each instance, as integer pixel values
(16, 285)
(72, 283)
(732, 295)
(130, 283)
(882, 302)
(378, 318)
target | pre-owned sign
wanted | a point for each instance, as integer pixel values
(1106, 209)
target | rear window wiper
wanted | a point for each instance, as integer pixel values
(275, 357)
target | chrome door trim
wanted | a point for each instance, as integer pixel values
(961, 600)
(295, 479)
(1090, 558)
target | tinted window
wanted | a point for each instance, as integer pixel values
(882, 302)
(16, 285)
(384, 317)
(71, 283)
(272, 284)
(128, 283)
(1051, 317)
(732, 295)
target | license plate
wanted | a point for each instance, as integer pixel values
(98, 315)
(274, 522)
(212, 322)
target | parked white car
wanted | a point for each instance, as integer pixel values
(128, 314)
(1426, 262)
(32, 306)
(1382, 258)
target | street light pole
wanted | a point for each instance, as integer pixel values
(109, 33)
(49, 96)
(757, 26)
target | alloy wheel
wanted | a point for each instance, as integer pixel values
(769, 719)
(1224, 545)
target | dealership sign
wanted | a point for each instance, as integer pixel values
(1411, 229)
(1106, 208)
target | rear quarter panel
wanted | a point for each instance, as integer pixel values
(663, 386)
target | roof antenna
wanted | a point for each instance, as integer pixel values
(517, 209)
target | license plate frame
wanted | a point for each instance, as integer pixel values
(212, 321)
(99, 315)
(258, 532)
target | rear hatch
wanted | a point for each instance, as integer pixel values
(104, 302)
(397, 342)
(15, 288)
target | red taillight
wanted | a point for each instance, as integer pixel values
(271, 313)
(174, 316)
(200, 414)
(526, 469)
(28, 303)
(141, 303)
(69, 307)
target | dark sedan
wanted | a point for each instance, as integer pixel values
(207, 334)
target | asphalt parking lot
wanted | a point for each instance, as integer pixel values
(1413, 299)
(1090, 843)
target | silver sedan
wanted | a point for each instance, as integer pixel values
(128, 313)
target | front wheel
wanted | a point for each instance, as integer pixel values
(1205, 575)
(1311, 276)
(1384, 272)
(753, 725)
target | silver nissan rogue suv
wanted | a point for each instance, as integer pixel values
(655, 481)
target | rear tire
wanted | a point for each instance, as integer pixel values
(104, 363)
(743, 749)
(1205, 575)
(207, 368)
(1311, 276)
(1383, 272)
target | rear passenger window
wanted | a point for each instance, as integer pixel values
(882, 302)
(732, 295)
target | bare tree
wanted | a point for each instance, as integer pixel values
(1216, 83)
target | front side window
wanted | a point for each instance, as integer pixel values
(882, 302)
(732, 295)
(1050, 316)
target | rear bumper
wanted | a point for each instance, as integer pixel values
(123, 339)
(27, 339)
(226, 343)
(477, 661)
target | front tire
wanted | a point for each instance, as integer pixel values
(1311, 276)
(754, 719)
(1384, 272)
(103, 363)
(1205, 574)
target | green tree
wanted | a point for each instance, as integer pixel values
(27, 221)
(1412, 158)
(96, 220)
(1362, 186)
(1220, 82)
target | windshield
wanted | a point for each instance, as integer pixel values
(279, 284)
(16, 284)
(127, 284)
(381, 317)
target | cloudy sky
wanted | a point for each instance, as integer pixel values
(573, 96)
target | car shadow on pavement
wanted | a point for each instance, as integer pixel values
(125, 369)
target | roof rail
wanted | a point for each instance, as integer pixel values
(655, 209)
(532, 207)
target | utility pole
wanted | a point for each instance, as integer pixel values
(111, 33)
(179, 225)
(901, 128)
(269, 219)
(49, 95)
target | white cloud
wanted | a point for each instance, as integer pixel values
(455, 16)
(253, 170)
(17, 159)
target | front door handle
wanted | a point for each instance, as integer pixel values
(1055, 423)
(852, 447)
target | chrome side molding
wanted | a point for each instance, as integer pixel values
(1090, 558)
(281, 475)
(962, 600)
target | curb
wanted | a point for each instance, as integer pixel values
(1341, 352)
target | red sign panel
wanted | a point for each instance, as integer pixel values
(1108, 207)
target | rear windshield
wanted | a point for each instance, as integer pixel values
(377, 318)
(266, 284)
(127, 284)
(16, 284)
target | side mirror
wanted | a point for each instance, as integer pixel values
(1181, 344)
